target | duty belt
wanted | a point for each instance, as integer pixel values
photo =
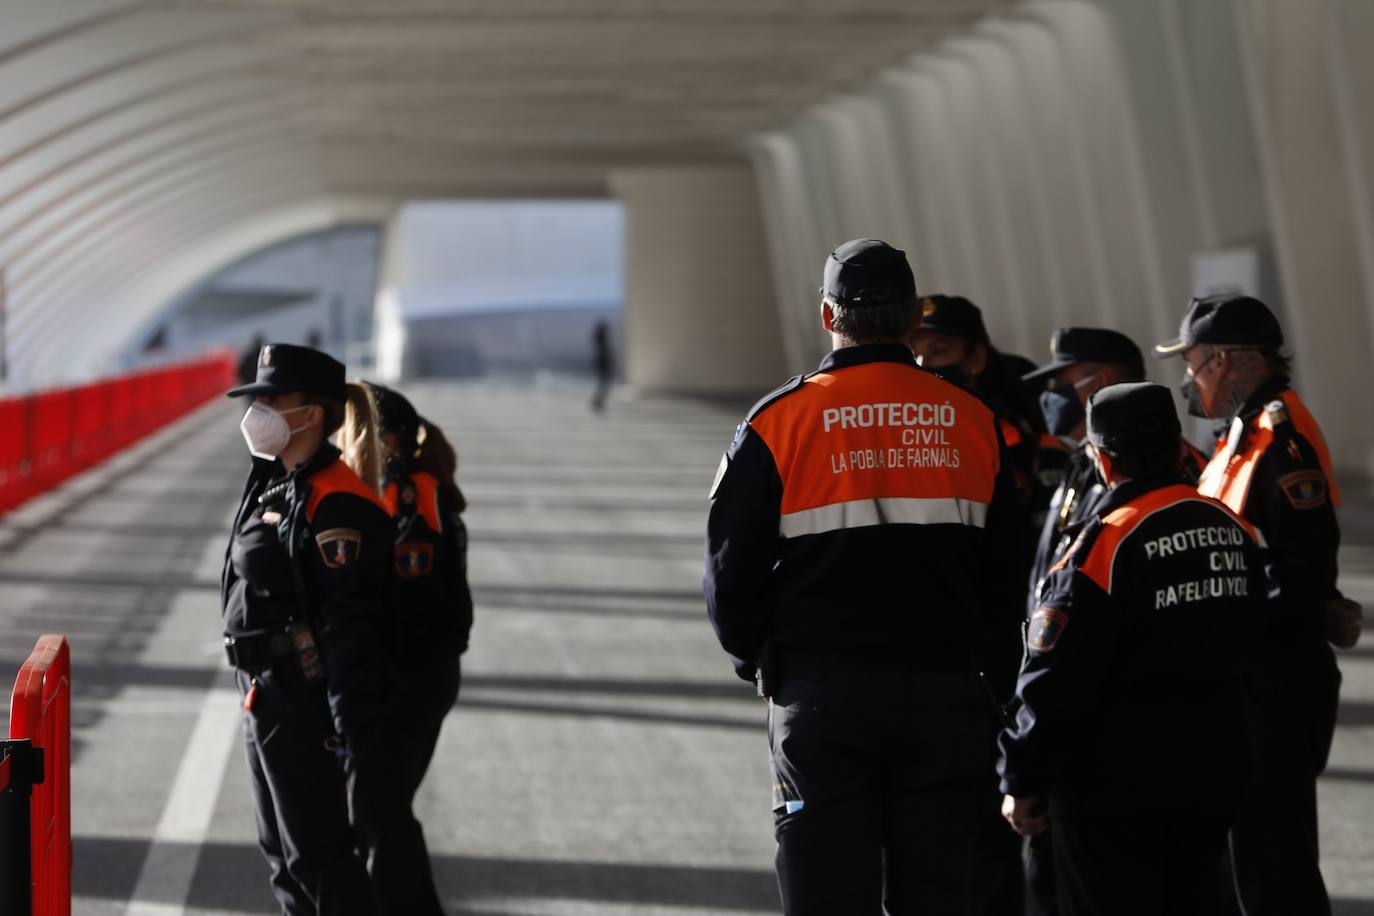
(259, 650)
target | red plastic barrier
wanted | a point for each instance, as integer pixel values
(48, 436)
(41, 711)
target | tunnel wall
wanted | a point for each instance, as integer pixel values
(142, 148)
(699, 305)
(1060, 161)
(1071, 161)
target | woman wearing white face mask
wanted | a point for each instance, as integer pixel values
(304, 592)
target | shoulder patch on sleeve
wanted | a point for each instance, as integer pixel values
(1047, 624)
(414, 559)
(340, 546)
(1304, 489)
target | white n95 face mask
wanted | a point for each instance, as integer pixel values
(265, 430)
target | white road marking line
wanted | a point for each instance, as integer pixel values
(164, 884)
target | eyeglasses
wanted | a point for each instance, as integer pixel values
(1191, 371)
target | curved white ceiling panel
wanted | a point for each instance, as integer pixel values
(138, 137)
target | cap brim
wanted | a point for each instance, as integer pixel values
(1170, 348)
(1049, 369)
(254, 389)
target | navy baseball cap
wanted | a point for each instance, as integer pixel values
(1070, 346)
(1228, 319)
(1131, 414)
(284, 368)
(953, 315)
(867, 272)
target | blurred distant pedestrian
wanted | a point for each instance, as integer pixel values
(603, 363)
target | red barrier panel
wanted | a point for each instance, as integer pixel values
(40, 710)
(48, 436)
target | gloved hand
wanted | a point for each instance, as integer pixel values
(1344, 622)
(1026, 815)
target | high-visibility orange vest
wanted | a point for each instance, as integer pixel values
(1228, 475)
(891, 445)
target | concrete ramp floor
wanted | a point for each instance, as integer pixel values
(602, 758)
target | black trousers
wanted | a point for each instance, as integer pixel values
(382, 795)
(424, 708)
(998, 888)
(1157, 857)
(300, 801)
(880, 778)
(1274, 849)
(1038, 856)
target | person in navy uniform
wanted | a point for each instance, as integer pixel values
(835, 487)
(1272, 466)
(1082, 361)
(952, 341)
(304, 583)
(1131, 733)
(432, 604)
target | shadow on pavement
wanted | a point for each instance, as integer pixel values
(560, 592)
(1355, 713)
(231, 876)
(706, 690)
(608, 712)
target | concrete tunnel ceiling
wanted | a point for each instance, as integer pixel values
(144, 144)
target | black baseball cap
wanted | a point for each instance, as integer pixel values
(1070, 346)
(867, 272)
(397, 414)
(953, 315)
(1228, 319)
(284, 368)
(1131, 414)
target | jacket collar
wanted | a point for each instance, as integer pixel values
(324, 456)
(845, 357)
(399, 468)
(1132, 490)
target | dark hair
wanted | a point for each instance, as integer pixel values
(874, 323)
(1146, 460)
(1277, 363)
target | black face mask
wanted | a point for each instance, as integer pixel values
(1194, 398)
(1062, 410)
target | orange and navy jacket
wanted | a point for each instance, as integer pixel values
(1143, 628)
(863, 508)
(432, 600)
(314, 546)
(1074, 502)
(1272, 467)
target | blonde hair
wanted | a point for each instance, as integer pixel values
(358, 426)
(436, 454)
